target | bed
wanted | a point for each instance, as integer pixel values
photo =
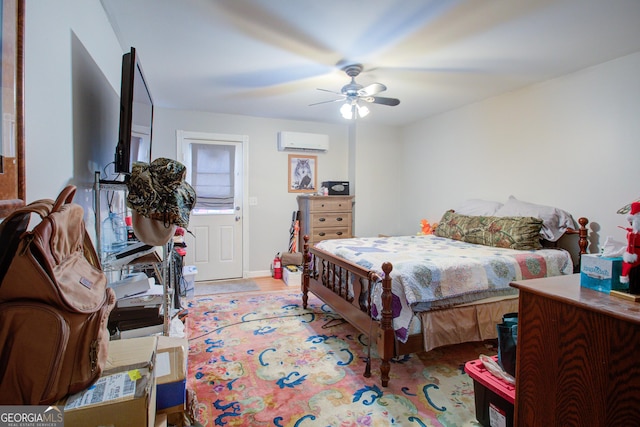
(415, 293)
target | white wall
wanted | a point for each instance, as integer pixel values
(572, 142)
(375, 179)
(270, 219)
(72, 82)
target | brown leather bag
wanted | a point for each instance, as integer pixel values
(54, 304)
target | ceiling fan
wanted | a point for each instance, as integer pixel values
(355, 95)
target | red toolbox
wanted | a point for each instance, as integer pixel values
(494, 397)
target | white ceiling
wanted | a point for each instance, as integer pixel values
(267, 58)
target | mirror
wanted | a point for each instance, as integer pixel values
(12, 164)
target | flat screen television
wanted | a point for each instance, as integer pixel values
(136, 116)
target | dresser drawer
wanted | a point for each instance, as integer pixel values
(330, 219)
(325, 217)
(330, 204)
(330, 233)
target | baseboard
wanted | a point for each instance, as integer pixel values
(263, 273)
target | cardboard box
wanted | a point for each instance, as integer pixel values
(115, 400)
(290, 277)
(125, 355)
(161, 420)
(171, 374)
(601, 273)
(125, 395)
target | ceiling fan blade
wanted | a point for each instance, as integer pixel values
(326, 102)
(330, 91)
(384, 101)
(372, 89)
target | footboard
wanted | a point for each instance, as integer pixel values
(347, 288)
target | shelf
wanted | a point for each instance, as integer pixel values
(161, 266)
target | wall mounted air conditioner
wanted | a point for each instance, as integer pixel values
(299, 141)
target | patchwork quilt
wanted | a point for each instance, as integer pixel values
(431, 272)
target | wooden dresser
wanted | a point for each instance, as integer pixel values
(325, 217)
(578, 361)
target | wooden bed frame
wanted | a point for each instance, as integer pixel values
(325, 275)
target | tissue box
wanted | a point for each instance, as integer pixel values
(601, 273)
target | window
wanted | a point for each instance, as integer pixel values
(213, 176)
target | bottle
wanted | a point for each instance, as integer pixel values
(114, 233)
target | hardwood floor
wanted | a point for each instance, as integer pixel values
(270, 284)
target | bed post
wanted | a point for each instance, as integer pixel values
(386, 342)
(306, 257)
(583, 242)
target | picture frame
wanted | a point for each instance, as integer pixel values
(303, 173)
(12, 156)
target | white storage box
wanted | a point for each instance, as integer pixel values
(292, 278)
(189, 273)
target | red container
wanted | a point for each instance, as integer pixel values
(277, 268)
(494, 397)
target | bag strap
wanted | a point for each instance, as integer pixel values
(15, 224)
(65, 197)
(13, 228)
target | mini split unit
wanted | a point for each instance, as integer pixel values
(298, 141)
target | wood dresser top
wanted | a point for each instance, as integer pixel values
(567, 289)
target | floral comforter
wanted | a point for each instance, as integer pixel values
(431, 272)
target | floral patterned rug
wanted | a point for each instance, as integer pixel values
(260, 359)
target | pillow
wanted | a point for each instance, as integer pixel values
(554, 221)
(503, 232)
(478, 207)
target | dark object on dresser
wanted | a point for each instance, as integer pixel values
(337, 188)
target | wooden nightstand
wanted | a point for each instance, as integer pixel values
(577, 356)
(325, 217)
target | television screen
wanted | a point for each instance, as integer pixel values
(136, 116)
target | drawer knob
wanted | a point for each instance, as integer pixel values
(321, 219)
(321, 233)
(339, 219)
(339, 233)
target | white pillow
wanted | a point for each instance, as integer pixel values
(554, 221)
(478, 207)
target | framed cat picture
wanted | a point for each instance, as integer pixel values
(303, 172)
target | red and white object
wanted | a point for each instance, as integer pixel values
(277, 267)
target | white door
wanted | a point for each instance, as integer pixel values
(215, 237)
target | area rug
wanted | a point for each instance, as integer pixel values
(225, 287)
(260, 359)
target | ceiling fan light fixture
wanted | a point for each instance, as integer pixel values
(363, 110)
(347, 110)
(353, 94)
